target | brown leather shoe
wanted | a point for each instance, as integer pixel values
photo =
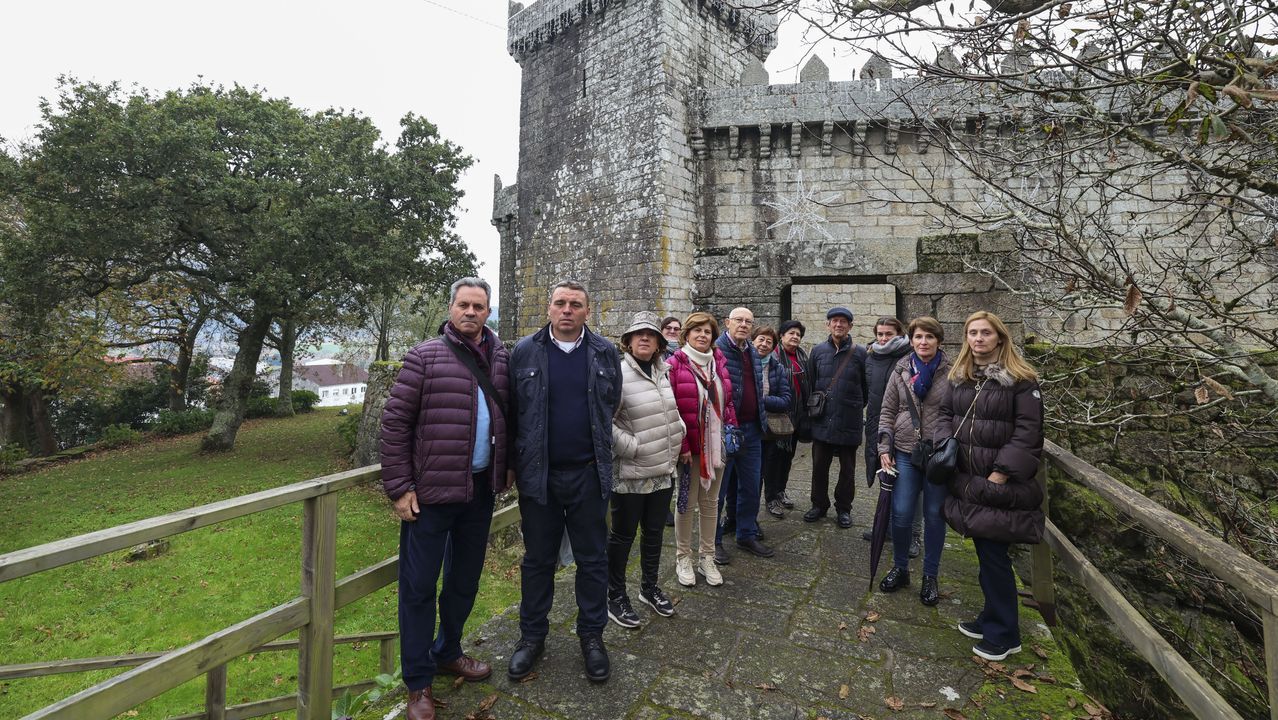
(421, 705)
(466, 666)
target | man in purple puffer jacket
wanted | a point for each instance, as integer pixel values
(443, 461)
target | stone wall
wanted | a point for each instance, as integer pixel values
(659, 166)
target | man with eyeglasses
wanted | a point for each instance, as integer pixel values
(838, 370)
(739, 494)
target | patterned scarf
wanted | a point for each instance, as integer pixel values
(923, 372)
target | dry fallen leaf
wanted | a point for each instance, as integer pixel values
(843, 692)
(895, 703)
(1091, 709)
(1047, 678)
(843, 626)
(1071, 702)
(1039, 651)
(1220, 389)
(929, 704)
(953, 714)
(865, 632)
(766, 687)
(458, 682)
(998, 667)
(1022, 673)
(1200, 394)
(1044, 716)
(1132, 301)
(488, 702)
(873, 616)
(1020, 684)
(530, 677)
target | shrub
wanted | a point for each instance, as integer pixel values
(117, 435)
(259, 407)
(183, 422)
(304, 400)
(348, 430)
(10, 455)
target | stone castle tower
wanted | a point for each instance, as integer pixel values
(606, 192)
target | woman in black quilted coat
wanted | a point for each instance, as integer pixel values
(994, 407)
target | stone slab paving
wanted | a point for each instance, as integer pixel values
(799, 635)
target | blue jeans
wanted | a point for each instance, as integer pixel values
(909, 484)
(740, 488)
(452, 538)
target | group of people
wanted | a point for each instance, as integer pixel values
(708, 419)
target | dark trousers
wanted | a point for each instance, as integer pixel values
(844, 490)
(573, 503)
(739, 493)
(998, 619)
(631, 511)
(452, 537)
(776, 467)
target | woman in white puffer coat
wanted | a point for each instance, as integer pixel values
(647, 434)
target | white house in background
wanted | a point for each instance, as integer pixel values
(335, 383)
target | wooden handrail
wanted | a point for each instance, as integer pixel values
(19, 563)
(1258, 583)
(106, 662)
(312, 611)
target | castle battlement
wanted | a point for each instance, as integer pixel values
(536, 26)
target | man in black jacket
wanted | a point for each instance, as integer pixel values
(565, 387)
(837, 368)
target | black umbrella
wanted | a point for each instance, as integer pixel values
(882, 519)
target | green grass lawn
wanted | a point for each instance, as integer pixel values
(209, 579)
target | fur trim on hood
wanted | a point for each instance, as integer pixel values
(993, 371)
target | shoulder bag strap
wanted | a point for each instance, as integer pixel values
(979, 387)
(484, 381)
(914, 410)
(829, 387)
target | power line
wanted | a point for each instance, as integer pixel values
(465, 15)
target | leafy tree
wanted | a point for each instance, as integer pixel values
(282, 211)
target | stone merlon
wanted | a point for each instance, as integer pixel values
(505, 201)
(537, 25)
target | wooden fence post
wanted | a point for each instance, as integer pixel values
(1271, 657)
(1041, 581)
(319, 570)
(215, 693)
(388, 656)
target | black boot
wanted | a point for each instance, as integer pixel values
(931, 592)
(592, 651)
(896, 579)
(524, 657)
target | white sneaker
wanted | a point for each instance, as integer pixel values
(711, 571)
(683, 571)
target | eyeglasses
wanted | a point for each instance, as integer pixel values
(742, 321)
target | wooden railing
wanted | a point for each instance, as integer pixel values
(311, 612)
(1259, 584)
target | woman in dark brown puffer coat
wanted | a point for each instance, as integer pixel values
(993, 405)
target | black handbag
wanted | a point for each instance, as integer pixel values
(817, 400)
(944, 460)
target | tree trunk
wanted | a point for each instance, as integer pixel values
(46, 441)
(13, 431)
(238, 383)
(288, 341)
(386, 313)
(180, 378)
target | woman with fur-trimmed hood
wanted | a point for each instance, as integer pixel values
(993, 406)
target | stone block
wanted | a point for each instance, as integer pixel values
(950, 244)
(923, 283)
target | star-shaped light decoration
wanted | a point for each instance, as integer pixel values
(799, 212)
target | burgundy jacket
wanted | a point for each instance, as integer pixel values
(686, 395)
(428, 424)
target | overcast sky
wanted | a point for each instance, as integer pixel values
(443, 59)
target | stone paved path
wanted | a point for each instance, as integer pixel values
(782, 638)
